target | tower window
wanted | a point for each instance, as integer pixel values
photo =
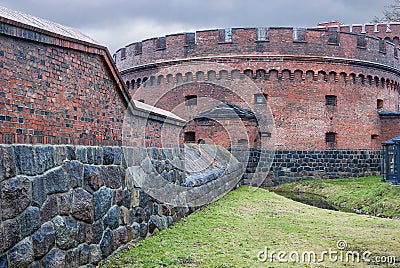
(330, 100)
(191, 100)
(330, 137)
(379, 104)
(190, 137)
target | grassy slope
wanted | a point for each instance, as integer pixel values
(368, 194)
(231, 231)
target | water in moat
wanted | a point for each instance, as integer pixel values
(310, 199)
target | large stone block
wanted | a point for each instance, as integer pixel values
(111, 176)
(55, 181)
(10, 234)
(44, 158)
(97, 231)
(102, 202)
(15, 196)
(60, 154)
(95, 254)
(29, 221)
(66, 231)
(82, 205)
(98, 155)
(25, 159)
(7, 163)
(55, 258)
(120, 236)
(112, 219)
(108, 156)
(43, 240)
(64, 202)
(74, 173)
(81, 154)
(49, 209)
(38, 191)
(92, 180)
(107, 243)
(21, 255)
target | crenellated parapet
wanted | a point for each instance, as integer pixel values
(387, 31)
(313, 43)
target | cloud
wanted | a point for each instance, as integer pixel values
(133, 30)
(120, 22)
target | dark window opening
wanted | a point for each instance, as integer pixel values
(382, 46)
(141, 101)
(374, 137)
(191, 100)
(330, 100)
(190, 137)
(379, 104)
(330, 137)
(260, 98)
(249, 73)
(201, 141)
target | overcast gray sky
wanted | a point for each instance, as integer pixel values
(116, 23)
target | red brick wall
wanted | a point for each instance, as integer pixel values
(296, 76)
(56, 95)
(296, 95)
(58, 90)
(390, 127)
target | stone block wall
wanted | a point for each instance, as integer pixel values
(292, 165)
(66, 206)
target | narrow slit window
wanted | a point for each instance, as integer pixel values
(379, 104)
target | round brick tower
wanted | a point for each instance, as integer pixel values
(323, 86)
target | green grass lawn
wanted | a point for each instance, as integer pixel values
(232, 231)
(367, 194)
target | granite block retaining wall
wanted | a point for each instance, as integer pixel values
(67, 206)
(290, 165)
